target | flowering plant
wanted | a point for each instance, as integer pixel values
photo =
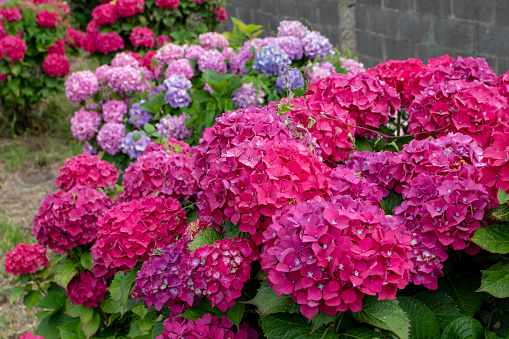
(32, 57)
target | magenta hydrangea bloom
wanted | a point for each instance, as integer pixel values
(247, 95)
(180, 66)
(168, 173)
(110, 137)
(142, 37)
(84, 124)
(346, 182)
(211, 40)
(24, 259)
(217, 271)
(86, 289)
(495, 175)
(320, 70)
(292, 28)
(329, 255)
(30, 336)
(70, 218)
(114, 110)
(125, 79)
(213, 60)
(169, 52)
(128, 8)
(80, 86)
(172, 126)
(86, 170)
(133, 229)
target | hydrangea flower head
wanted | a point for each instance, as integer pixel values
(134, 149)
(180, 66)
(80, 86)
(142, 37)
(289, 81)
(114, 110)
(57, 48)
(128, 8)
(70, 218)
(84, 124)
(56, 65)
(167, 4)
(47, 18)
(194, 51)
(125, 59)
(292, 28)
(211, 40)
(319, 70)
(125, 79)
(11, 14)
(213, 60)
(247, 95)
(86, 170)
(86, 289)
(24, 259)
(173, 126)
(176, 91)
(272, 61)
(169, 52)
(12, 47)
(30, 336)
(292, 46)
(105, 14)
(351, 65)
(110, 137)
(316, 46)
(109, 42)
(138, 116)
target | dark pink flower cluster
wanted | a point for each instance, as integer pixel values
(167, 4)
(56, 65)
(329, 255)
(57, 48)
(331, 126)
(127, 8)
(49, 19)
(86, 170)
(70, 218)
(12, 47)
(86, 289)
(208, 326)
(346, 182)
(162, 40)
(108, 42)
(165, 172)
(496, 173)
(105, 14)
(24, 259)
(30, 336)
(404, 75)
(75, 37)
(374, 167)
(11, 14)
(369, 100)
(220, 13)
(217, 271)
(142, 37)
(471, 108)
(133, 229)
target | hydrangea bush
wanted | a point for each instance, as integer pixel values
(32, 57)
(336, 214)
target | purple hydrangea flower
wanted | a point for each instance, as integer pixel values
(172, 126)
(213, 60)
(114, 110)
(291, 46)
(238, 61)
(110, 137)
(247, 95)
(80, 86)
(90, 149)
(134, 149)
(176, 94)
(84, 124)
(316, 45)
(138, 116)
(272, 61)
(293, 78)
(292, 28)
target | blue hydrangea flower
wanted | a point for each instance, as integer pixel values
(134, 149)
(272, 61)
(138, 116)
(176, 91)
(294, 78)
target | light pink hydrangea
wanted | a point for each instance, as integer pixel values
(80, 86)
(84, 124)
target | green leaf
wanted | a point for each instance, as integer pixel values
(362, 144)
(213, 77)
(461, 288)
(232, 231)
(86, 315)
(140, 310)
(157, 330)
(91, 327)
(321, 319)
(386, 314)
(109, 305)
(65, 271)
(502, 196)
(32, 299)
(206, 237)
(113, 317)
(423, 323)
(149, 128)
(391, 201)
(86, 261)
(71, 330)
(267, 301)
(495, 280)
(292, 326)
(198, 311)
(48, 327)
(493, 238)
(361, 333)
(54, 300)
(442, 306)
(501, 212)
(235, 313)
(73, 310)
(464, 328)
(120, 288)
(16, 292)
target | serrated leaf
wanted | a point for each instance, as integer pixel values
(70, 330)
(292, 326)
(121, 286)
(501, 212)
(360, 333)
(391, 201)
(362, 144)
(321, 319)
(206, 237)
(16, 292)
(386, 314)
(140, 310)
(109, 305)
(65, 271)
(157, 329)
(90, 328)
(86, 261)
(441, 305)
(495, 280)
(461, 288)
(493, 238)
(267, 301)
(73, 310)
(464, 328)
(235, 313)
(423, 323)
(198, 311)
(32, 299)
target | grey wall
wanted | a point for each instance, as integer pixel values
(380, 30)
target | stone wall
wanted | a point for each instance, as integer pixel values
(380, 30)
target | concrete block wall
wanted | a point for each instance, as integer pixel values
(380, 30)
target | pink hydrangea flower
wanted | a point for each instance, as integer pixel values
(84, 124)
(80, 86)
(110, 137)
(168, 4)
(102, 73)
(114, 110)
(128, 8)
(211, 40)
(194, 51)
(105, 14)
(12, 47)
(125, 79)
(169, 52)
(56, 65)
(86, 170)
(351, 65)
(30, 336)
(213, 60)
(85, 289)
(125, 59)
(24, 259)
(180, 66)
(142, 37)
(318, 71)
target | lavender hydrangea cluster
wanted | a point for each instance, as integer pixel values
(289, 81)
(134, 149)
(80, 86)
(172, 126)
(317, 46)
(247, 95)
(272, 61)
(237, 62)
(138, 116)
(291, 46)
(292, 28)
(176, 91)
(194, 51)
(110, 137)
(114, 110)
(213, 60)
(84, 124)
